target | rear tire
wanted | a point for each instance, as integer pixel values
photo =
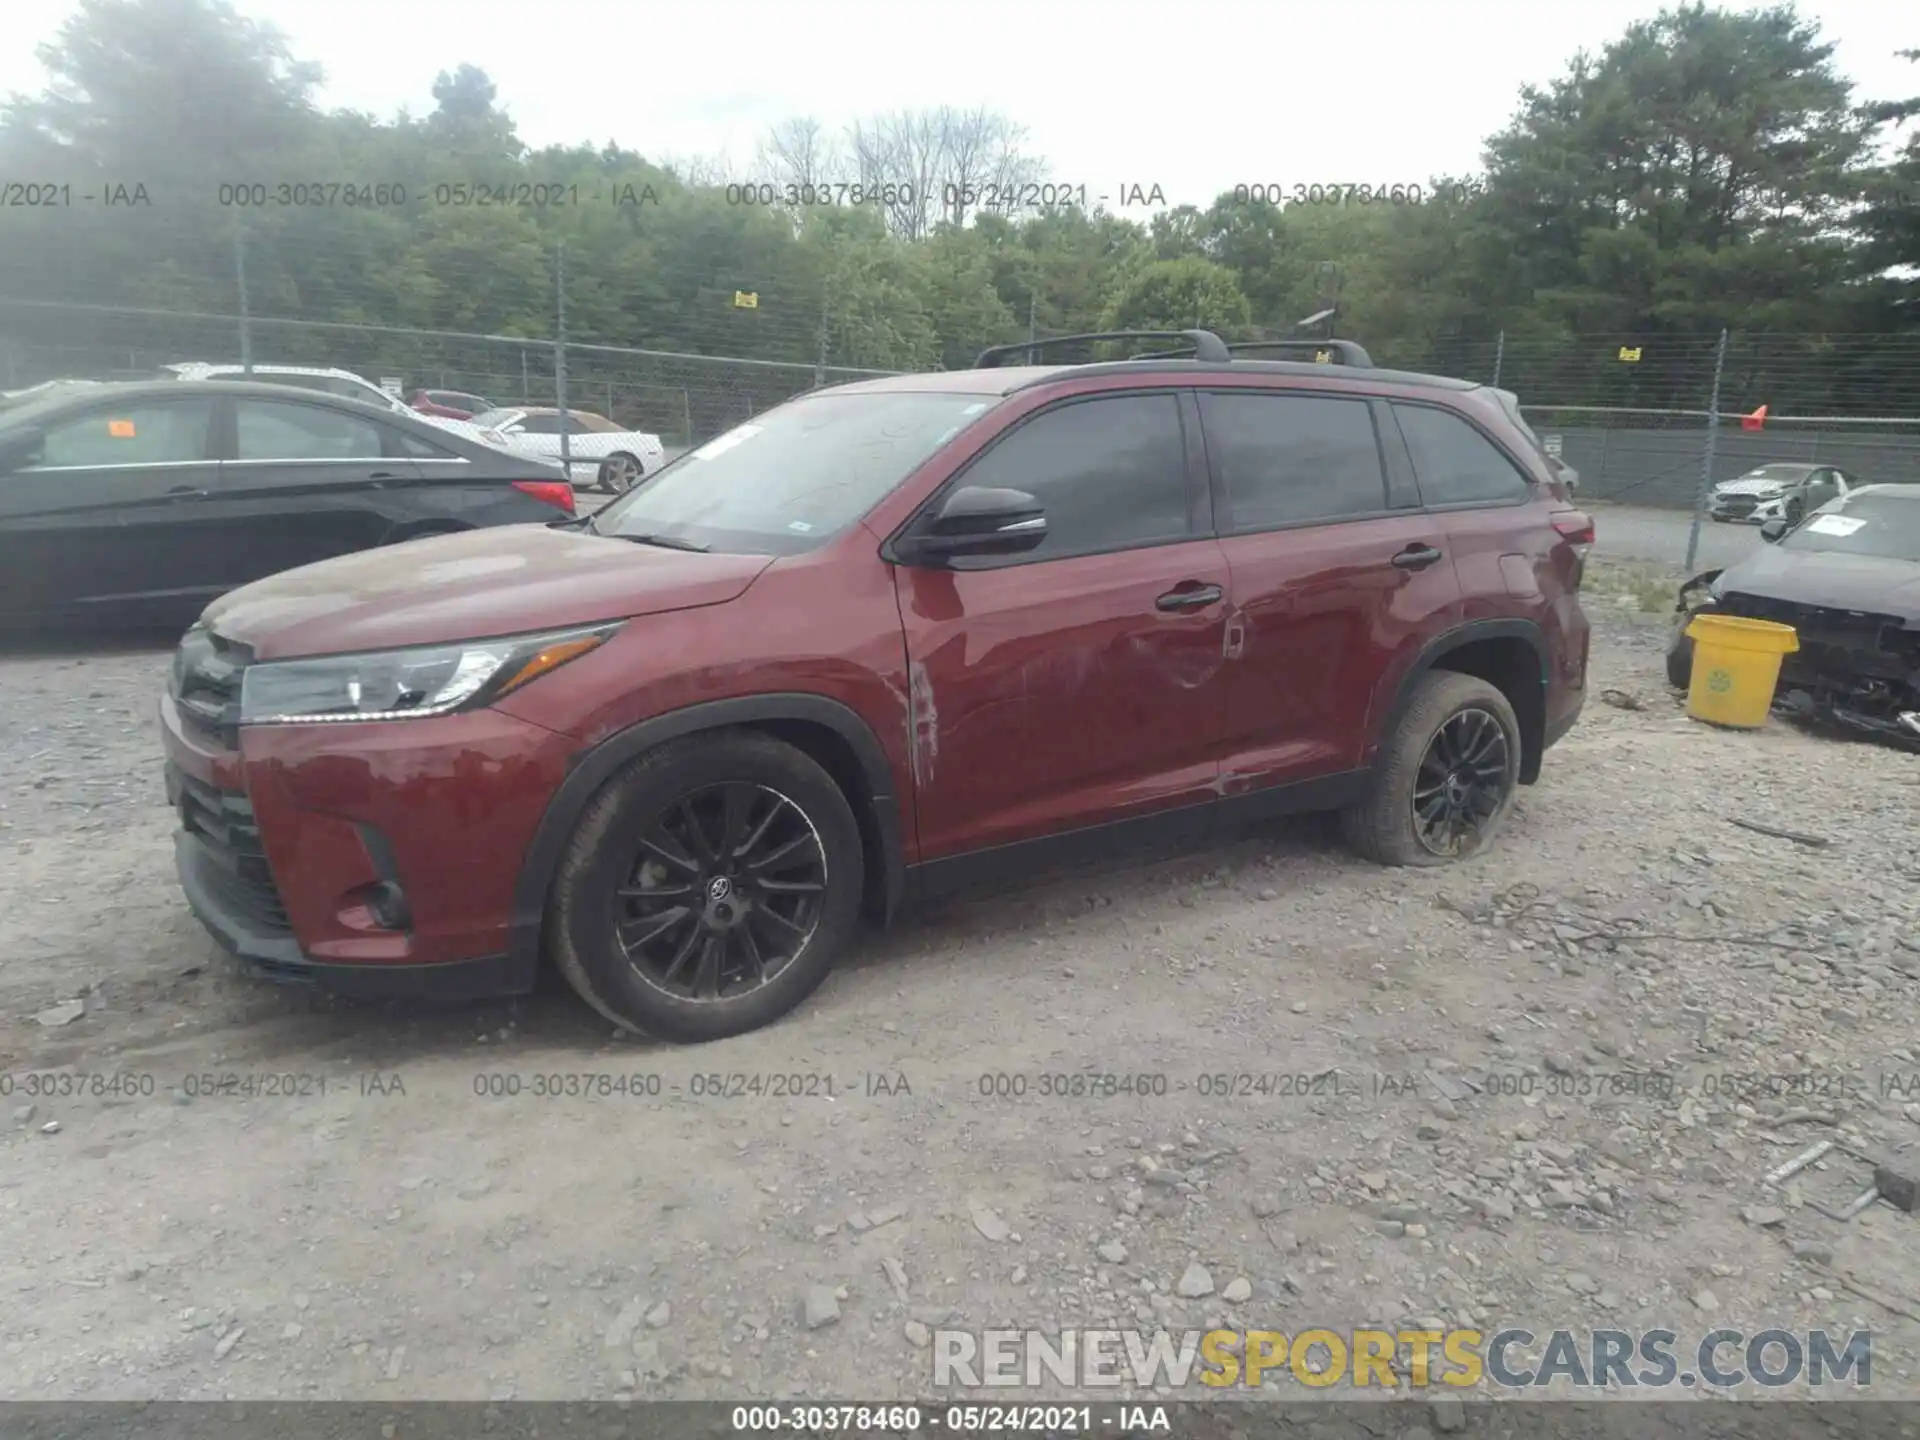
(619, 473)
(609, 921)
(1454, 755)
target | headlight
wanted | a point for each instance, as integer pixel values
(406, 684)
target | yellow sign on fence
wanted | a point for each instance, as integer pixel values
(1630, 356)
(746, 299)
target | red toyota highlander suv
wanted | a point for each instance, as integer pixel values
(888, 638)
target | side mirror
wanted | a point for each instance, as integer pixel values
(18, 447)
(978, 521)
(1773, 530)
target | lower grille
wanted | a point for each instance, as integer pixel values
(1735, 505)
(223, 823)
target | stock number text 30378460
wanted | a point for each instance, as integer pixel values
(1410, 192)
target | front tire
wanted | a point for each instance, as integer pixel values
(709, 888)
(1446, 778)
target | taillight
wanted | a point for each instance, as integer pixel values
(1575, 527)
(557, 493)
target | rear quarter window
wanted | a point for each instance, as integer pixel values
(1454, 463)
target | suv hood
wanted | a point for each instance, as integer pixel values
(500, 581)
(1829, 579)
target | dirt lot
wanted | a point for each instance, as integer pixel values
(390, 1230)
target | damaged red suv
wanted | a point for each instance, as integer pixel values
(889, 638)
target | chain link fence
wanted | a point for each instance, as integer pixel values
(1645, 419)
(683, 398)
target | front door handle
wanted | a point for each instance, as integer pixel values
(1416, 557)
(186, 492)
(1190, 596)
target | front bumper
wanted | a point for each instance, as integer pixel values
(287, 832)
(1747, 509)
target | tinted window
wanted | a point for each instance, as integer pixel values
(1110, 472)
(269, 430)
(148, 432)
(1454, 462)
(1288, 458)
(539, 425)
(418, 447)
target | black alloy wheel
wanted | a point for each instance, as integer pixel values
(725, 892)
(1462, 782)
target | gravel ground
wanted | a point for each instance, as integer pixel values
(1464, 1150)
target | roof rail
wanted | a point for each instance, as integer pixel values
(1325, 352)
(1204, 343)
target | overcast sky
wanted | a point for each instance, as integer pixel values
(1185, 96)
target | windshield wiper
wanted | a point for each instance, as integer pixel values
(665, 542)
(578, 522)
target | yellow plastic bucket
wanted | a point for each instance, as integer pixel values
(1736, 664)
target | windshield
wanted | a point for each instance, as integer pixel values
(1884, 526)
(796, 476)
(1781, 474)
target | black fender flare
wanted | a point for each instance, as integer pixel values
(1532, 736)
(593, 768)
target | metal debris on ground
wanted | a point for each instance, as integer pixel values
(1799, 837)
(1894, 1181)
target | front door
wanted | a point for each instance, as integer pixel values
(104, 520)
(1083, 681)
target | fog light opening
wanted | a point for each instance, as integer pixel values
(379, 906)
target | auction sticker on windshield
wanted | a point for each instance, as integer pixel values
(737, 436)
(1835, 524)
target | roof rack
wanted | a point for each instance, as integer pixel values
(1325, 352)
(1204, 343)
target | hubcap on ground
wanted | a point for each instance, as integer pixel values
(1461, 782)
(725, 892)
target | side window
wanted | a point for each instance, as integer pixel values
(416, 447)
(539, 425)
(1292, 458)
(1454, 463)
(1820, 488)
(1110, 473)
(270, 430)
(148, 432)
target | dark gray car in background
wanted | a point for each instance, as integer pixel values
(136, 504)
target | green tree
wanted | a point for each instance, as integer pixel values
(1179, 295)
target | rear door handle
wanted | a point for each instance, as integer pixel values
(187, 492)
(1190, 596)
(1416, 557)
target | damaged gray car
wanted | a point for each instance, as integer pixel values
(1847, 579)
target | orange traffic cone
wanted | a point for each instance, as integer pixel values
(1756, 421)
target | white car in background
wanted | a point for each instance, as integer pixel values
(328, 382)
(599, 452)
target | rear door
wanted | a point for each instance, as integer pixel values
(108, 518)
(303, 481)
(1335, 573)
(1081, 682)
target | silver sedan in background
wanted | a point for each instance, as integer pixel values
(599, 452)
